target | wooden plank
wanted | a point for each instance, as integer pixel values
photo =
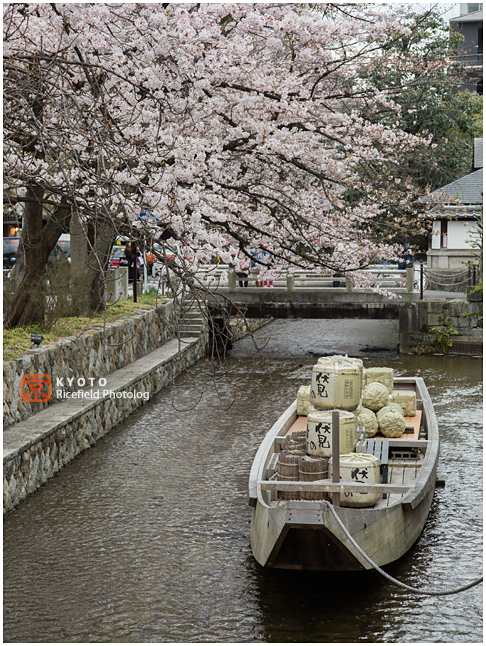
(418, 444)
(409, 476)
(329, 487)
(300, 424)
(336, 498)
(395, 477)
(425, 481)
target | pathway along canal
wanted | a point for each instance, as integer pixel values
(145, 537)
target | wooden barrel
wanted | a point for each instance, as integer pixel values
(312, 468)
(288, 470)
(297, 441)
(298, 435)
(294, 444)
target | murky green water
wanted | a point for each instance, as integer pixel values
(145, 537)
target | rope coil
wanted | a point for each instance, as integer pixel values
(388, 576)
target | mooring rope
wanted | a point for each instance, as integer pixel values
(388, 576)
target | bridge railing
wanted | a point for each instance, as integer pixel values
(385, 277)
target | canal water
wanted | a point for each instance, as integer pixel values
(145, 537)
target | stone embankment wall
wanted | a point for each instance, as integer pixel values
(94, 354)
(36, 449)
(135, 358)
(241, 328)
(461, 315)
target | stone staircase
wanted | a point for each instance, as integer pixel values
(192, 323)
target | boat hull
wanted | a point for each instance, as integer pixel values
(306, 535)
(293, 536)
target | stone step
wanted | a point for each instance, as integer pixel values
(197, 329)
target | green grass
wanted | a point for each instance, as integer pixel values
(17, 341)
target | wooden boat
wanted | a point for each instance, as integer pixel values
(318, 535)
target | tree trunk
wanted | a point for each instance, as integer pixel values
(90, 253)
(36, 243)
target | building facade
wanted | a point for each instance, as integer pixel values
(456, 213)
(470, 53)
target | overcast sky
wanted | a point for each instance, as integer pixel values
(449, 9)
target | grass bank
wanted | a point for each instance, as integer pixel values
(17, 341)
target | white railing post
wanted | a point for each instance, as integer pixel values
(290, 283)
(231, 280)
(409, 279)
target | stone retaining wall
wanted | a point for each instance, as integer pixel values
(464, 316)
(242, 327)
(461, 315)
(35, 450)
(94, 354)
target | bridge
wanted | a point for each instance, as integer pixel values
(312, 295)
(325, 296)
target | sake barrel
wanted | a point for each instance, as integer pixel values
(336, 383)
(312, 468)
(391, 421)
(367, 418)
(375, 396)
(358, 467)
(288, 470)
(319, 432)
(393, 405)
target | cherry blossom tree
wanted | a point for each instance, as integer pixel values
(236, 125)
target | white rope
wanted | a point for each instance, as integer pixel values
(386, 575)
(446, 274)
(454, 284)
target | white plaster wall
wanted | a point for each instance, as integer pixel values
(435, 244)
(458, 234)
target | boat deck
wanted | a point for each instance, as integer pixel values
(404, 461)
(400, 472)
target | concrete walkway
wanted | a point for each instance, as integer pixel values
(23, 434)
(36, 448)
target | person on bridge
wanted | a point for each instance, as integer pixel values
(241, 268)
(404, 252)
(257, 254)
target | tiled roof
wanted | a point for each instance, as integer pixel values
(467, 190)
(454, 212)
